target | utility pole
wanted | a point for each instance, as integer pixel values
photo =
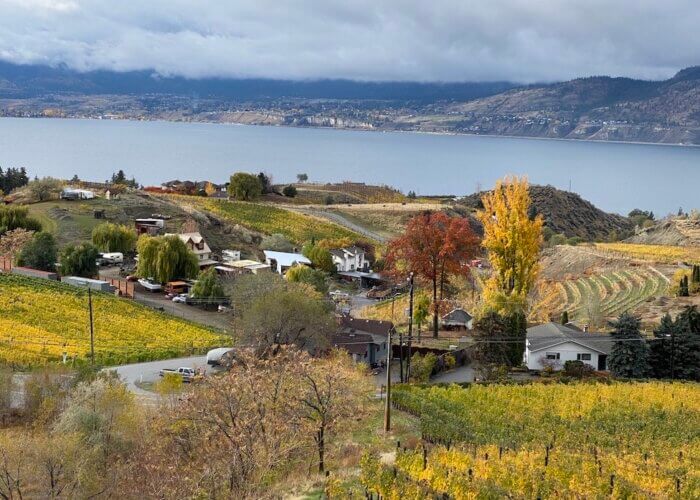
(410, 327)
(401, 357)
(673, 353)
(92, 329)
(387, 403)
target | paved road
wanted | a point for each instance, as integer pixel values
(149, 372)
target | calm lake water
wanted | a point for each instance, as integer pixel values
(616, 177)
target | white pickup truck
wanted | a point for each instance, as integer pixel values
(187, 374)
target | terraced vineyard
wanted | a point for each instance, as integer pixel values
(608, 294)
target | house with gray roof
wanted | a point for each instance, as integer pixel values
(457, 319)
(553, 344)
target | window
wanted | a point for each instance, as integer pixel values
(552, 355)
(583, 356)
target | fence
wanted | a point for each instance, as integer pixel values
(123, 288)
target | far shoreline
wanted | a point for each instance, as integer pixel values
(349, 129)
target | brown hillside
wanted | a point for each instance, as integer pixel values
(567, 213)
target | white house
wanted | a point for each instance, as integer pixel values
(349, 259)
(553, 344)
(196, 243)
(231, 256)
(281, 261)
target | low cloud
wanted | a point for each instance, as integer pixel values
(442, 40)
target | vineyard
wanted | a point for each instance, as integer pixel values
(586, 440)
(41, 320)
(607, 294)
(269, 219)
(656, 253)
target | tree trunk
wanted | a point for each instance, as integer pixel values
(320, 441)
(435, 308)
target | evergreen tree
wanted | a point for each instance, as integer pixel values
(564, 317)
(686, 345)
(661, 349)
(629, 357)
(501, 330)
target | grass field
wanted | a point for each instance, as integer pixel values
(41, 320)
(655, 253)
(583, 440)
(269, 219)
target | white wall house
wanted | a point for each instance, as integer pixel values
(349, 259)
(280, 262)
(196, 243)
(552, 344)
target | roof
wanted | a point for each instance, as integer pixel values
(244, 263)
(355, 343)
(457, 316)
(371, 326)
(286, 259)
(552, 334)
(360, 274)
(351, 251)
(196, 239)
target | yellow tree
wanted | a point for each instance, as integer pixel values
(512, 239)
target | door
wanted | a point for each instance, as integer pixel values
(602, 362)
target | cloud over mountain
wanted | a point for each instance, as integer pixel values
(445, 40)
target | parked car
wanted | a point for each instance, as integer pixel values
(223, 308)
(180, 299)
(187, 374)
(150, 285)
(113, 257)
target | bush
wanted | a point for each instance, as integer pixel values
(277, 243)
(289, 191)
(422, 366)
(577, 369)
(40, 253)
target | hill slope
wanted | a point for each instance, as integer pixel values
(680, 232)
(567, 213)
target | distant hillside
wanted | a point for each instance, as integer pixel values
(679, 232)
(27, 81)
(600, 108)
(567, 213)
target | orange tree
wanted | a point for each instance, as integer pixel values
(434, 246)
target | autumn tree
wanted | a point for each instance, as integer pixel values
(12, 242)
(434, 247)
(512, 239)
(319, 256)
(208, 286)
(421, 311)
(331, 391)
(313, 277)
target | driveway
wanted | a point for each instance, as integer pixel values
(149, 372)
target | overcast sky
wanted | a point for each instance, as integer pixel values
(425, 40)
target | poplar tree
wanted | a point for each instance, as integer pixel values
(513, 240)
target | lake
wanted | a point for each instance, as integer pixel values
(615, 177)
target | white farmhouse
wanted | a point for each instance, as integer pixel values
(553, 344)
(280, 262)
(349, 259)
(196, 243)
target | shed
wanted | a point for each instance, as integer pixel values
(457, 319)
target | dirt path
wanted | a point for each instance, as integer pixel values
(340, 220)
